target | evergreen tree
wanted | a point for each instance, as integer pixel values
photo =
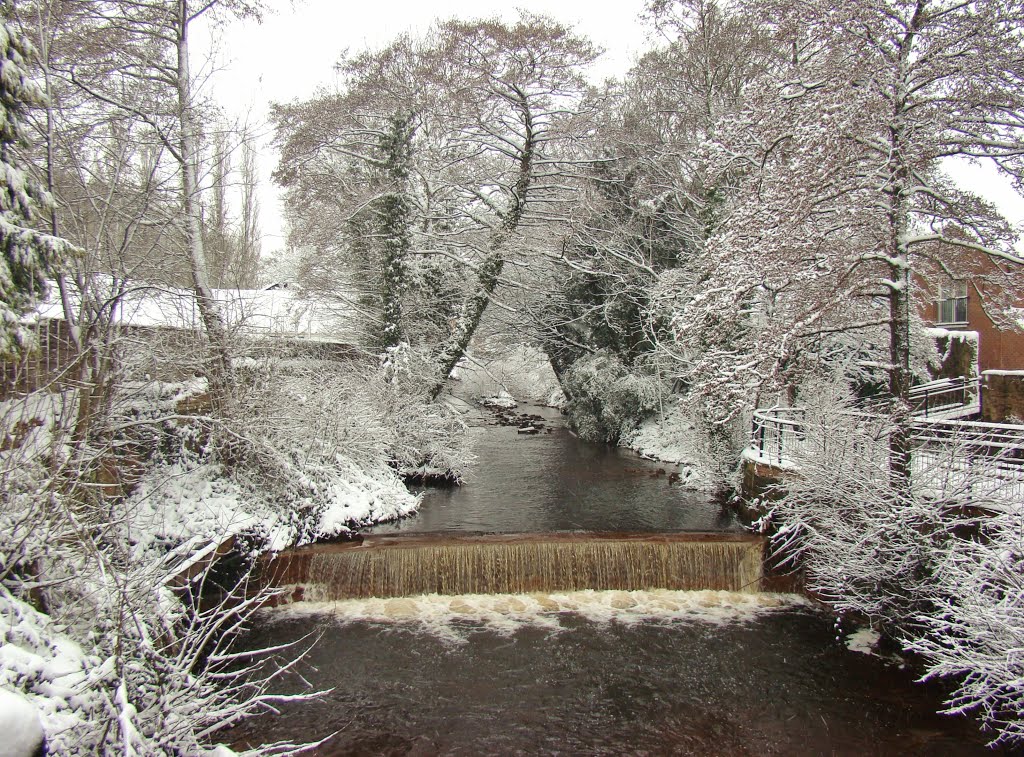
(29, 256)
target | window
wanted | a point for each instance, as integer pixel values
(952, 303)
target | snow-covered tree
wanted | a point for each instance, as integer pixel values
(143, 72)
(232, 241)
(974, 628)
(30, 257)
(648, 203)
(360, 190)
(839, 193)
(489, 115)
(520, 89)
(937, 565)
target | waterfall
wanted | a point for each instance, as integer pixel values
(409, 566)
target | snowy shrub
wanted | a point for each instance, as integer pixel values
(326, 444)
(607, 398)
(865, 546)
(33, 462)
(123, 667)
(113, 660)
(939, 564)
(974, 628)
(682, 434)
(116, 663)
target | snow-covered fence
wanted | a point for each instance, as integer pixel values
(999, 441)
(957, 397)
(778, 435)
(987, 458)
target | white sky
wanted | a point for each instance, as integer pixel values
(293, 52)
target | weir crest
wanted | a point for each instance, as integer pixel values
(400, 566)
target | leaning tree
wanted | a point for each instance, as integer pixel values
(447, 148)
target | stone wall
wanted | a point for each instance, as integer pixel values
(761, 484)
(1002, 396)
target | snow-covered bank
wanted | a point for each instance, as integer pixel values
(177, 503)
(676, 435)
(307, 453)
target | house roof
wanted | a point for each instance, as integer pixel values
(275, 312)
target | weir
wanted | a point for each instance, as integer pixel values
(398, 566)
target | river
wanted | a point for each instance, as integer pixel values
(595, 673)
(554, 482)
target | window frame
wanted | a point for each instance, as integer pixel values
(952, 302)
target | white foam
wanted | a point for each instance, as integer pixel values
(863, 640)
(452, 616)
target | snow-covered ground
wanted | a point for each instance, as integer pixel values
(677, 436)
(20, 725)
(44, 669)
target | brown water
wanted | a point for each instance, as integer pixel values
(555, 482)
(406, 566)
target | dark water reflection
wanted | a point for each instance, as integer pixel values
(555, 482)
(777, 685)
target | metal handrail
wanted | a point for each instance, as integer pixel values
(775, 437)
(944, 395)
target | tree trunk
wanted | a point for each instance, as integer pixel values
(469, 319)
(220, 366)
(395, 223)
(900, 379)
(899, 275)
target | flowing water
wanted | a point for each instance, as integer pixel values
(554, 671)
(407, 566)
(554, 482)
(610, 673)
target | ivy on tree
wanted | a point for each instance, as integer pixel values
(29, 256)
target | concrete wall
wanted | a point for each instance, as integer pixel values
(761, 484)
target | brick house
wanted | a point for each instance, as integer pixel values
(969, 304)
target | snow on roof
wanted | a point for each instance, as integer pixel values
(939, 333)
(277, 312)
